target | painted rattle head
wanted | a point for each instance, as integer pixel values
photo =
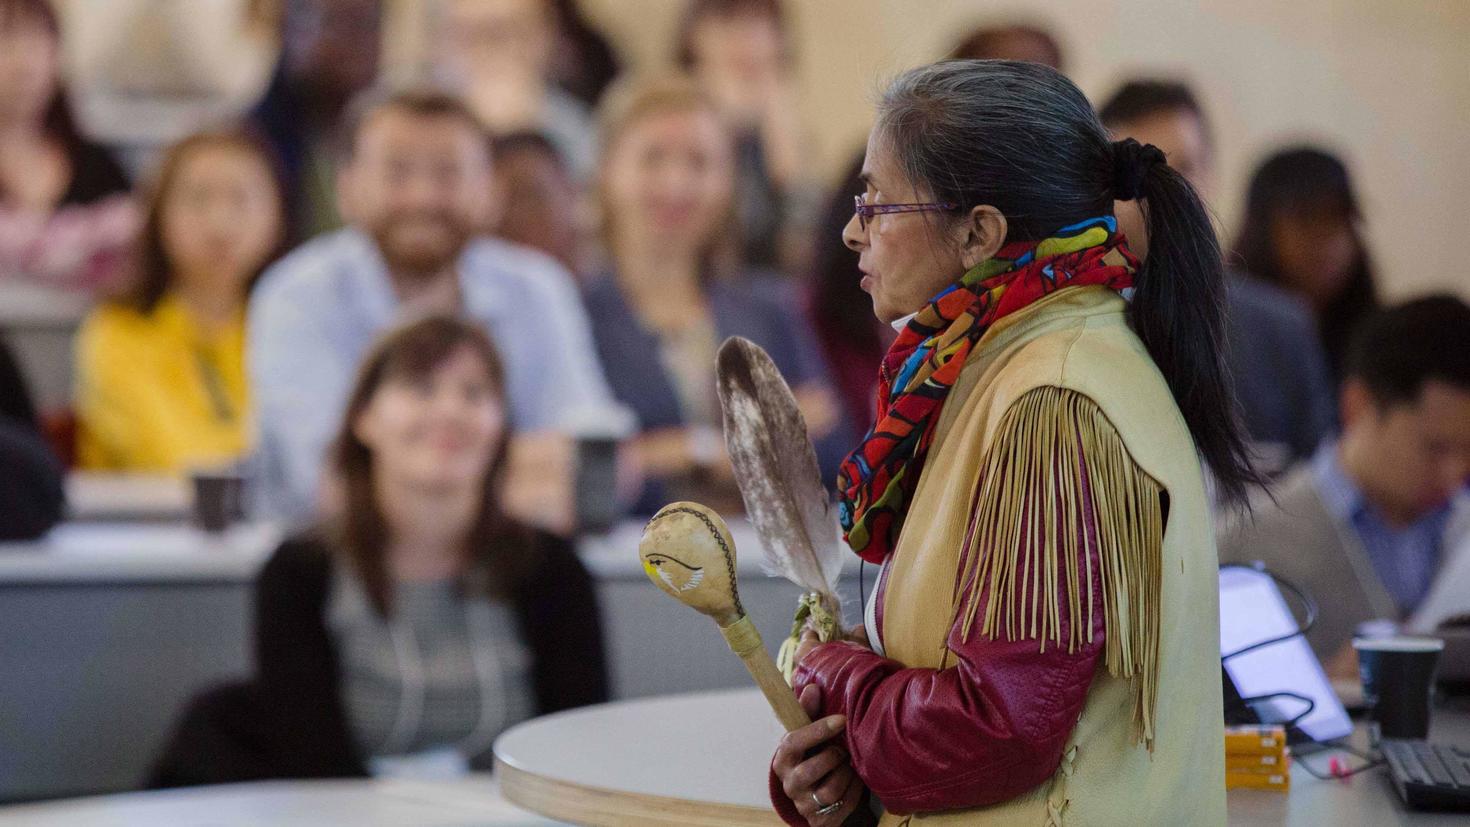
(687, 551)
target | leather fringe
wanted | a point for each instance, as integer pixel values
(1023, 549)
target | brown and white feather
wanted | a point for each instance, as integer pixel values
(776, 469)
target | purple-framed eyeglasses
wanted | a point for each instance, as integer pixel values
(866, 211)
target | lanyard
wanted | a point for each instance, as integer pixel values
(415, 680)
(214, 386)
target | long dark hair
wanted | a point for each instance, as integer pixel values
(500, 549)
(1298, 179)
(154, 272)
(58, 123)
(1024, 139)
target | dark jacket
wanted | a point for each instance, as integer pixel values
(754, 306)
(290, 723)
(32, 491)
(1278, 371)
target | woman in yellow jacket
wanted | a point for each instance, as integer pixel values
(161, 385)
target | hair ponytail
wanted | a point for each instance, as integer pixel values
(1178, 310)
(1024, 139)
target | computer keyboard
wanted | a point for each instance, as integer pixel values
(1428, 775)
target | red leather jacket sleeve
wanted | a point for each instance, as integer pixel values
(984, 730)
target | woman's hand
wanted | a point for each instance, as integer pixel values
(815, 776)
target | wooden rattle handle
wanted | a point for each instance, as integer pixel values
(745, 641)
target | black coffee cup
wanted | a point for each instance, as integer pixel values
(219, 499)
(598, 507)
(1398, 681)
(598, 431)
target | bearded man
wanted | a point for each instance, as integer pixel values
(416, 186)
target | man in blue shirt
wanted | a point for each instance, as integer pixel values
(1371, 519)
(416, 187)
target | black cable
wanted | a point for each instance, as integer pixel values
(1311, 705)
(1373, 763)
(1309, 607)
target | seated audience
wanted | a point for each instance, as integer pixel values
(144, 75)
(661, 311)
(582, 61)
(1277, 367)
(498, 55)
(541, 205)
(852, 339)
(418, 182)
(1301, 232)
(66, 218)
(161, 383)
(1367, 522)
(329, 53)
(740, 53)
(32, 497)
(1011, 41)
(418, 621)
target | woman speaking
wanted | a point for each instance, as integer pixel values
(1044, 631)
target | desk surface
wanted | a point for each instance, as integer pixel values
(360, 803)
(87, 552)
(121, 530)
(667, 760)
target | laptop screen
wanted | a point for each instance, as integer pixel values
(1252, 610)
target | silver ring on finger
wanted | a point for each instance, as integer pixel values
(826, 809)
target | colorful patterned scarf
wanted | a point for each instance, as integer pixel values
(877, 481)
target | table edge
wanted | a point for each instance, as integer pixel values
(584, 804)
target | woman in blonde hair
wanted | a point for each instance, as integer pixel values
(670, 294)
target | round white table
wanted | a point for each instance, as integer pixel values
(695, 760)
(703, 758)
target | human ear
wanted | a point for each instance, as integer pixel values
(364, 427)
(1356, 404)
(347, 191)
(981, 234)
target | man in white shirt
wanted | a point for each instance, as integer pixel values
(416, 187)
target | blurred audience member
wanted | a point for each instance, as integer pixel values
(144, 74)
(1301, 232)
(161, 383)
(851, 337)
(330, 51)
(1277, 367)
(1011, 41)
(418, 182)
(32, 497)
(65, 215)
(661, 312)
(740, 53)
(498, 54)
(1368, 521)
(16, 402)
(419, 621)
(582, 62)
(540, 199)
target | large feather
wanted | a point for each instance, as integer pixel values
(776, 468)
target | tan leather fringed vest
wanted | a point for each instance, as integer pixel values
(1149, 746)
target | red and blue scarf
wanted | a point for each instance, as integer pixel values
(876, 482)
